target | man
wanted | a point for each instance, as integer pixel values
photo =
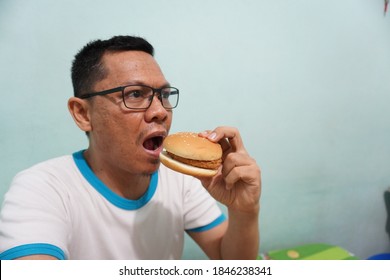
(114, 200)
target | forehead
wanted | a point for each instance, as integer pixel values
(132, 66)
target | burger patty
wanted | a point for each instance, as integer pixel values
(208, 164)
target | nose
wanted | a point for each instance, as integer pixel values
(156, 111)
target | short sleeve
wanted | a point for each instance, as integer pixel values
(34, 217)
(202, 212)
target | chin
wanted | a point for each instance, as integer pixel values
(152, 166)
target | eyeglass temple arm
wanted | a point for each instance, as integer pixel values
(104, 92)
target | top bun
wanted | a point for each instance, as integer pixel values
(191, 146)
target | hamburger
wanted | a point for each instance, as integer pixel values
(188, 153)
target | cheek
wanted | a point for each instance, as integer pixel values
(104, 123)
(118, 128)
(101, 121)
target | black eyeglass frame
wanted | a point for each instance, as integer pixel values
(122, 89)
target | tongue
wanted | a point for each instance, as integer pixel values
(149, 144)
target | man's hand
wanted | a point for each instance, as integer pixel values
(238, 182)
(238, 186)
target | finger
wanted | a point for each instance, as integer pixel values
(226, 148)
(205, 133)
(246, 174)
(213, 136)
(234, 162)
(231, 134)
(207, 180)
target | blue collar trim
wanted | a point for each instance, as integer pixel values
(106, 192)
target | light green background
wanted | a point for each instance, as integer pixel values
(306, 81)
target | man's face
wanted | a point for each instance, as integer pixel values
(128, 140)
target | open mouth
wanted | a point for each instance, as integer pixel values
(153, 143)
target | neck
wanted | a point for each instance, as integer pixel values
(121, 182)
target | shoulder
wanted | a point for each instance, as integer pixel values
(50, 164)
(43, 177)
(48, 168)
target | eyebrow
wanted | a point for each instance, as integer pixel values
(138, 82)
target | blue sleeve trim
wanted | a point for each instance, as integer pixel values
(213, 224)
(33, 249)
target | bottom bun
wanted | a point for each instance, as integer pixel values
(185, 168)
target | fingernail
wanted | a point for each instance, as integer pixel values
(212, 136)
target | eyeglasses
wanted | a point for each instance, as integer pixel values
(140, 97)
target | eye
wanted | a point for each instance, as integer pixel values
(134, 94)
(165, 94)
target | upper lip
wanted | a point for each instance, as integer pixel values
(159, 133)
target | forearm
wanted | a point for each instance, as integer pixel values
(241, 240)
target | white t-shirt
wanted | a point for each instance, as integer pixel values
(60, 208)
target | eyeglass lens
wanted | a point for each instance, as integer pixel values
(140, 97)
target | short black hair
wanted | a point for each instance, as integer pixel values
(87, 66)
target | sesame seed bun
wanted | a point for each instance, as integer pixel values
(188, 153)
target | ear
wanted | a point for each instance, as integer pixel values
(79, 109)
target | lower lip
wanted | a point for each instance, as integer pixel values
(155, 153)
